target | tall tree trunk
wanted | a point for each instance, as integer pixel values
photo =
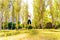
(12, 14)
(51, 11)
(42, 5)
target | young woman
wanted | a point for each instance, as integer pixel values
(29, 19)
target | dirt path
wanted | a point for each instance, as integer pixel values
(15, 37)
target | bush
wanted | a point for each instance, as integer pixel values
(30, 27)
(49, 25)
(58, 26)
(11, 25)
(19, 27)
(5, 26)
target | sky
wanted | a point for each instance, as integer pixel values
(30, 8)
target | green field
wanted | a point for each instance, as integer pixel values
(34, 34)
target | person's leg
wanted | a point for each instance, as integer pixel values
(29, 21)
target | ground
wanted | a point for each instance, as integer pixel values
(33, 34)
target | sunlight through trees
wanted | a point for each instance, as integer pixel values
(44, 14)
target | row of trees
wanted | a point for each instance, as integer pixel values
(46, 12)
(9, 9)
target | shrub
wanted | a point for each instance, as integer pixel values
(5, 26)
(19, 27)
(11, 25)
(58, 26)
(49, 25)
(30, 27)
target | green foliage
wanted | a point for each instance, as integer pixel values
(58, 26)
(44, 11)
(49, 25)
(30, 27)
(11, 25)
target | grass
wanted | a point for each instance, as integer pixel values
(10, 32)
(43, 34)
(34, 34)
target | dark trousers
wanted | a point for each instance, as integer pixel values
(29, 22)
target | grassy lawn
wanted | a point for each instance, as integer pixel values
(33, 34)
